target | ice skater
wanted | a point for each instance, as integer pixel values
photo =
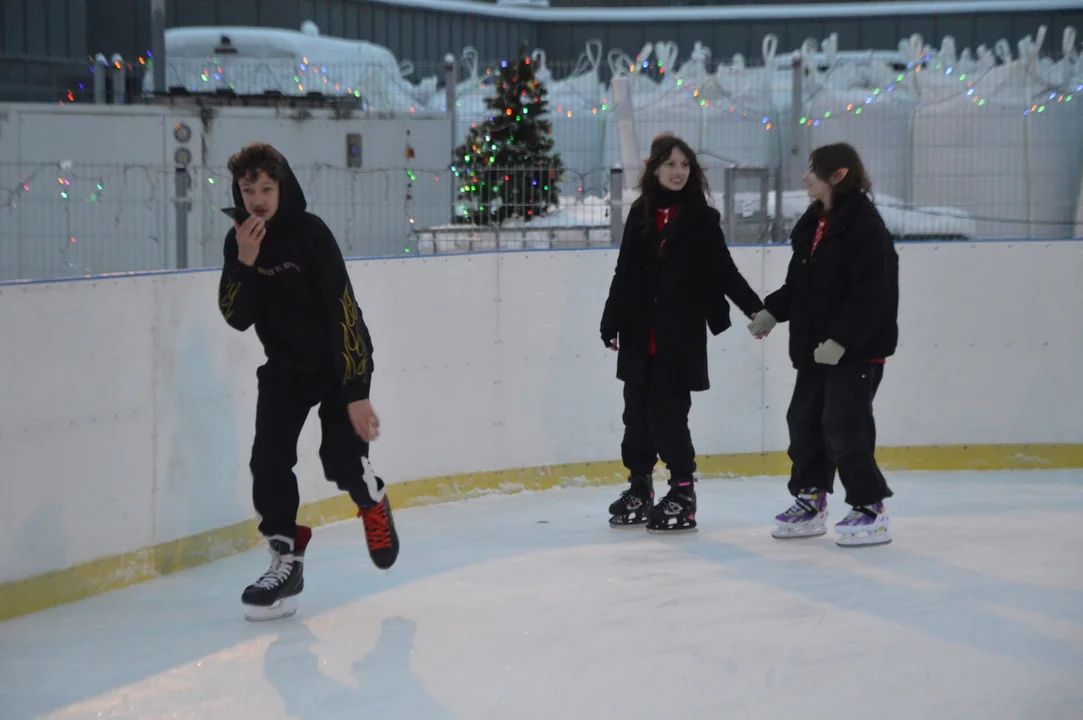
(670, 285)
(841, 298)
(284, 273)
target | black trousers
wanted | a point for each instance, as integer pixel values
(282, 407)
(656, 425)
(832, 428)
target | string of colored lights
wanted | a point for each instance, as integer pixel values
(64, 177)
(55, 189)
(659, 93)
(970, 92)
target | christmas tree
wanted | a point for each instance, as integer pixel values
(506, 167)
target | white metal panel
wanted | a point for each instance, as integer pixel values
(77, 422)
(128, 403)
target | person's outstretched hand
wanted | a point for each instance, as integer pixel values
(364, 420)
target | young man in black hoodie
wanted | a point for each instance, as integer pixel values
(284, 273)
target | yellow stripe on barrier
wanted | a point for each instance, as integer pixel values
(50, 589)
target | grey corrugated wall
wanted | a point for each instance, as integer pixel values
(74, 28)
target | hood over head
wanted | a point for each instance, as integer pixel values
(292, 203)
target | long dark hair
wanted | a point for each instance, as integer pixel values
(650, 187)
(825, 160)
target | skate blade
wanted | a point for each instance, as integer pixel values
(671, 530)
(281, 609)
(621, 523)
(862, 539)
(790, 533)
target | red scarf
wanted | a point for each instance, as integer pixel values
(661, 217)
(820, 228)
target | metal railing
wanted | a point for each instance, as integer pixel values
(66, 220)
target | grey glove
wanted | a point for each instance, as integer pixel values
(762, 324)
(828, 352)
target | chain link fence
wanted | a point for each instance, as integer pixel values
(58, 220)
(69, 220)
(66, 220)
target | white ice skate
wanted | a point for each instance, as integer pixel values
(867, 525)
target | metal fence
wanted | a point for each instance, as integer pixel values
(907, 111)
(958, 146)
(59, 220)
(67, 220)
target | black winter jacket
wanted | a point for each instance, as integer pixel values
(848, 291)
(675, 280)
(299, 297)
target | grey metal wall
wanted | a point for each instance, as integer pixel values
(699, 3)
(43, 28)
(422, 36)
(724, 38)
(74, 28)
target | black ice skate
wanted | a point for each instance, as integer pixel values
(676, 511)
(630, 509)
(274, 595)
(374, 509)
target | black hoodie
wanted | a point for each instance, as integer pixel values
(298, 295)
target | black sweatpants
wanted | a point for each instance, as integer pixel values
(832, 428)
(282, 407)
(656, 424)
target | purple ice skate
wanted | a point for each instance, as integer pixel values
(865, 525)
(807, 517)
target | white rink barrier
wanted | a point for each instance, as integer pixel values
(128, 403)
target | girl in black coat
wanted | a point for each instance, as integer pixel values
(670, 285)
(841, 298)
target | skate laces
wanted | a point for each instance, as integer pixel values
(377, 527)
(675, 501)
(635, 497)
(861, 512)
(802, 507)
(803, 504)
(281, 567)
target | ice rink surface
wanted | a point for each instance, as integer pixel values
(530, 606)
